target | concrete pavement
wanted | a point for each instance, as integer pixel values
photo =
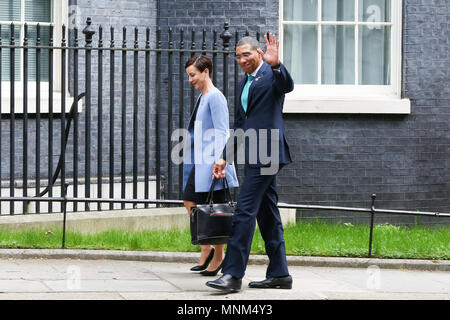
(91, 275)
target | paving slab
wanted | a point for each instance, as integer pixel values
(22, 286)
(88, 296)
(110, 285)
(103, 279)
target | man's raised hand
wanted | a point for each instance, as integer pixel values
(271, 54)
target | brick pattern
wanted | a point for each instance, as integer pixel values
(252, 15)
(105, 13)
(343, 159)
(338, 159)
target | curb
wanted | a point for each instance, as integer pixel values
(192, 257)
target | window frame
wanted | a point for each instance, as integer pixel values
(60, 18)
(320, 98)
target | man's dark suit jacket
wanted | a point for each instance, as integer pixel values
(264, 111)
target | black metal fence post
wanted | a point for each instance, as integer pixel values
(135, 114)
(100, 117)
(89, 32)
(181, 108)
(214, 57)
(157, 115)
(111, 118)
(50, 120)
(169, 113)
(63, 108)
(225, 36)
(147, 117)
(38, 115)
(25, 118)
(12, 118)
(75, 119)
(192, 93)
(64, 209)
(236, 100)
(124, 116)
(372, 215)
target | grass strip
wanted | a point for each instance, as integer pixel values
(302, 239)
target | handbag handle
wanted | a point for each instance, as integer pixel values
(226, 189)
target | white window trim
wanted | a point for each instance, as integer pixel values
(352, 98)
(60, 18)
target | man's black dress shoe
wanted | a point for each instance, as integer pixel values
(273, 283)
(206, 264)
(226, 283)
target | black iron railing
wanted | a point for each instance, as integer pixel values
(133, 97)
(163, 92)
(372, 210)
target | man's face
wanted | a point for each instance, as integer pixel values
(247, 58)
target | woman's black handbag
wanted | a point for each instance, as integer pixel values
(211, 222)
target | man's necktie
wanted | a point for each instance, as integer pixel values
(244, 96)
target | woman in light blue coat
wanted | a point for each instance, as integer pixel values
(208, 133)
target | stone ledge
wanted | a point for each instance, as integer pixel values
(99, 221)
(192, 257)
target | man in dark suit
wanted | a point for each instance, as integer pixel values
(259, 112)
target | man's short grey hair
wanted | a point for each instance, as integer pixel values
(249, 40)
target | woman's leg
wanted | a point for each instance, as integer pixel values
(218, 257)
(205, 249)
(188, 205)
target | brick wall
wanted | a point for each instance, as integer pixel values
(130, 14)
(107, 13)
(254, 16)
(343, 159)
(338, 159)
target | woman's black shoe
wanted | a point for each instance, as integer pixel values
(206, 264)
(211, 273)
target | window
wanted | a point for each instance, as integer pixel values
(344, 55)
(31, 12)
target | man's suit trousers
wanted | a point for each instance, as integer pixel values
(257, 201)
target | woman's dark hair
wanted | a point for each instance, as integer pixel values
(200, 62)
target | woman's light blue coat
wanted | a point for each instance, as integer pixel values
(208, 134)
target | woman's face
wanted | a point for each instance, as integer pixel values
(196, 78)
